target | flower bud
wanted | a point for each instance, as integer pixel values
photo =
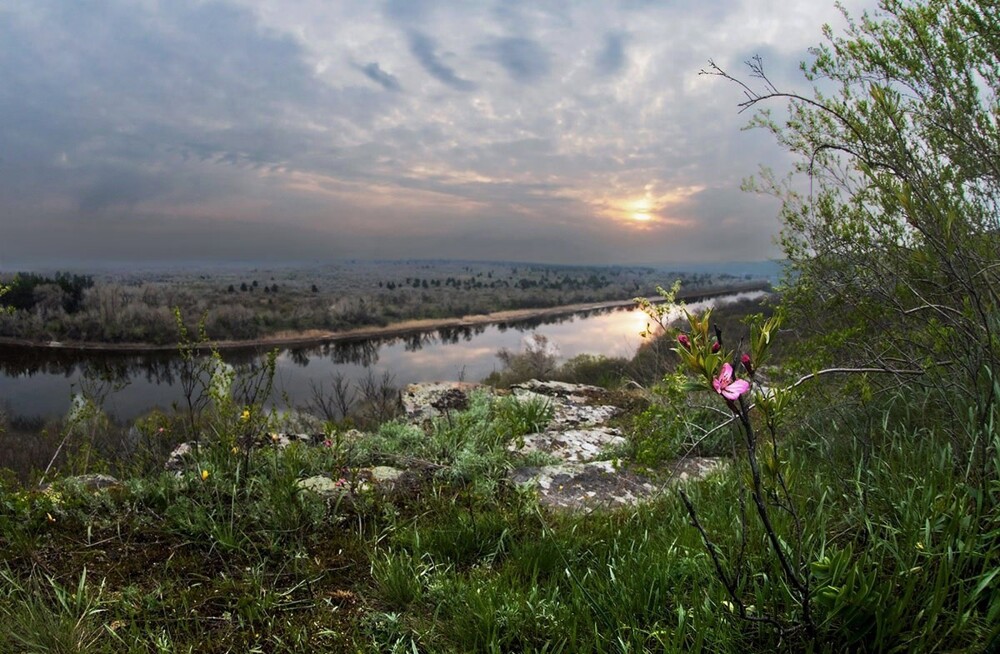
(716, 346)
(684, 341)
(747, 365)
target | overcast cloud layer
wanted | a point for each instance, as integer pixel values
(561, 131)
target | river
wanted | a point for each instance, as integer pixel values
(39, 384)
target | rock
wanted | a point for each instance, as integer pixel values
(323, 485)
(576, 415)
(429, 399)
(90, 482)
(572, 445)
(295, 421)
(598, 484)
(577, 393)
(696, 467)
(380, 478)
(385, 474)
(177, 461)
(584, 485)
(284, 440)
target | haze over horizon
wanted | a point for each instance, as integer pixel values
(557, 132)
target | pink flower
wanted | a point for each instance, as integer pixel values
(728, 387)
(745, 360)
(684, 340)
(716, 346)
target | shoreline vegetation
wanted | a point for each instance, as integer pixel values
(403, 328)
(253, 303)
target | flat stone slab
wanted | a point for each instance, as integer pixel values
(600, 484)
(581, 486)
(572, 445)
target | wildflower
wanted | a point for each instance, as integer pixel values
(728, 387)
(235, 450)
(245, 416)
(48, 516)
(716, 346)
(160, 430)
(204, 475)
(684, 341)
(328, 443)
(745, 360)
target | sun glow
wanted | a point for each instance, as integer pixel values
(639, 210)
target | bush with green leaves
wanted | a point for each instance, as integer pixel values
(890, 216)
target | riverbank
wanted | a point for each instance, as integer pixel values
(404, 328)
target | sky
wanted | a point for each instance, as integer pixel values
(562, 131)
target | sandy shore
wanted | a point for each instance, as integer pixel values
(405, 328)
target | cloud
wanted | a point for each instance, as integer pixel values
(611, 59)
(424, 49)
(170, 128)
(523, 59)
(375, 73)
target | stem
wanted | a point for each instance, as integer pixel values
(765, 517)
(730, 584)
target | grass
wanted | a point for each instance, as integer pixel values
(903, 542)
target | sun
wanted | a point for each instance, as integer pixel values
(640, 210)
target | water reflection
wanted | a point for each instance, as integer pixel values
(40, 381)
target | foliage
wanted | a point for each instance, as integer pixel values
(893, 248)
(26, 290)
(536, 360)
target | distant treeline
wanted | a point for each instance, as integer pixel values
(26, 290)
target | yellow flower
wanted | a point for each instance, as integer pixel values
(245, 416)
(204, 475)
(235, 450)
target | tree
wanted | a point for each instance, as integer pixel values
(894, 242)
